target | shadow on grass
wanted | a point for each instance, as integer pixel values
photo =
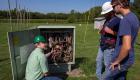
(138, 43)
(5, 59)
(79, 61)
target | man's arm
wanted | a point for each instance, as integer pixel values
(48, 54)
(110, 31)
(126, 46)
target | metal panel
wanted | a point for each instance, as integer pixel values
(20, 47)
(60, 29)
(56, 27)
(64, 67)
(60, 67)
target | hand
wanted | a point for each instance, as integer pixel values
(45, 74)
(113, 65)
(52, 51)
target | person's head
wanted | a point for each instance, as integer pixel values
(40, 42)
(107, 10)
(120, 5)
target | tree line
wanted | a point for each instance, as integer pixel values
(71, 17)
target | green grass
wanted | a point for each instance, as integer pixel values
(86, 52)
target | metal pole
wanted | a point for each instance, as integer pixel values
(87, 23)
(24, 19)
(10, 19)
(20, 16)
(27, 18)
(17, 14)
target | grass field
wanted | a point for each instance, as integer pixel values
(85, 52)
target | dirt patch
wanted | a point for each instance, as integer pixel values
(76, 73)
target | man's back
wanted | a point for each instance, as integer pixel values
(36, 65)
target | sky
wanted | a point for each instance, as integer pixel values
(48, 6)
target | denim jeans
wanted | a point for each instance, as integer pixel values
(108, 53)
(51, 78)
(99, 64)
(103, 58)
(117, 74)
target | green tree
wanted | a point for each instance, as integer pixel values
(93, 13)
(136, 8)
(72, 18)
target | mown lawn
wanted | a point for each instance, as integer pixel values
(86, 52)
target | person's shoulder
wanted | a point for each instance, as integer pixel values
(134, 16)
(125, 21)
(130, 16)
(37, 52)
(115, 18)
(33, 52)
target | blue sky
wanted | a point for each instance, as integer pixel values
(47, 6)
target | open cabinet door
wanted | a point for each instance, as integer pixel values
(20, 47)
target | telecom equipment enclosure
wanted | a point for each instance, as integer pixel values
(21, 45)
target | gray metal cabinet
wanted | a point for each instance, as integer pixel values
(21, 45)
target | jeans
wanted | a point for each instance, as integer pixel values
(117, 74)
(51, 78)
(99, 64)
(103, 58)
(108, 53)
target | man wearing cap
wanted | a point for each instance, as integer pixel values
(123, 58)
(108, 38)
(37, 66)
